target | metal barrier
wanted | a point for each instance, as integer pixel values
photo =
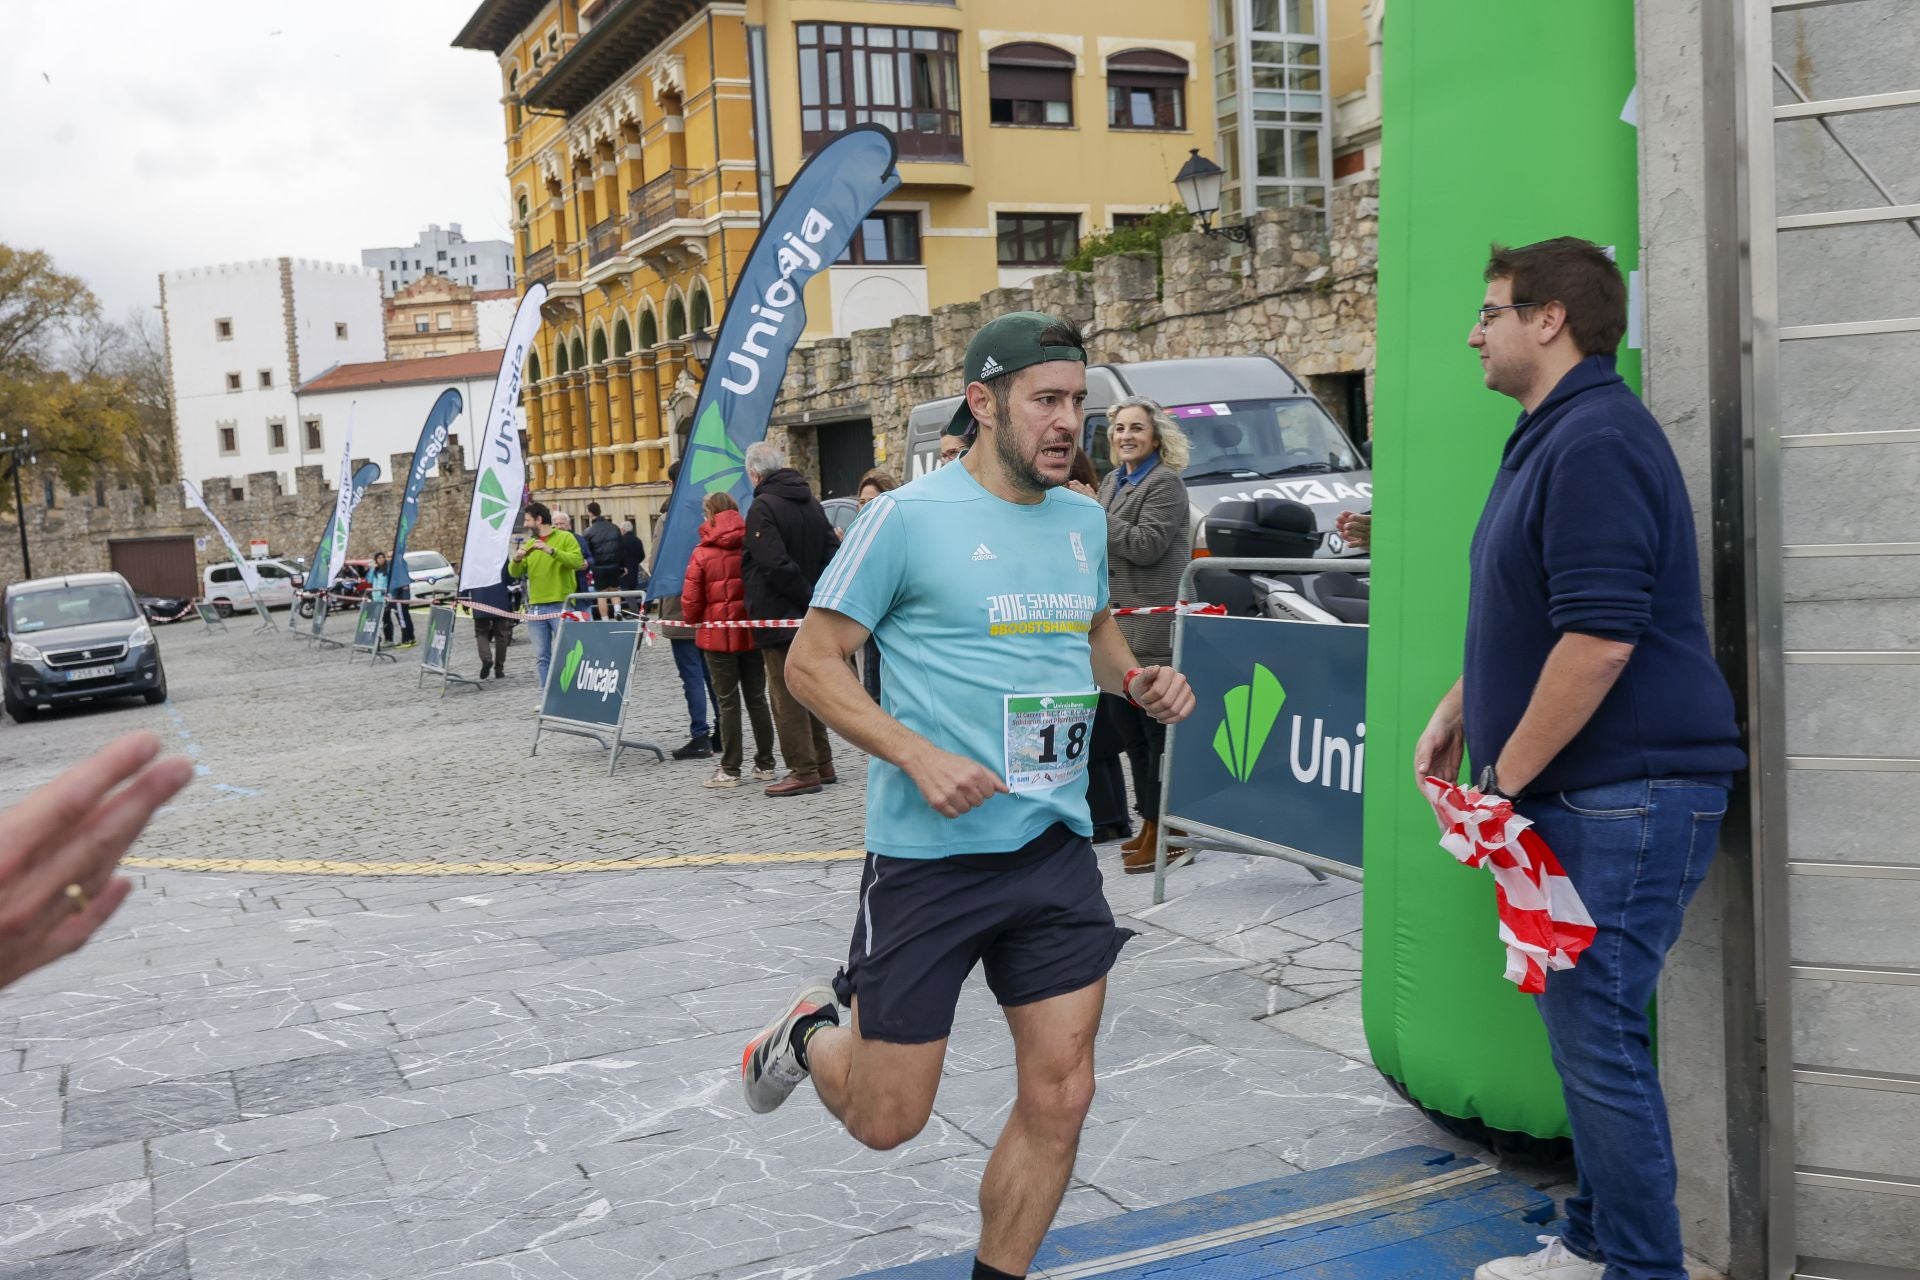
(1329, 784)
(436, 652)
(210, 615)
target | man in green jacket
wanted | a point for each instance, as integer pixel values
(548, 561)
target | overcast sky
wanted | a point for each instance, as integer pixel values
(146, 137)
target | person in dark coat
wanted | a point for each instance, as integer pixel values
(789, 542)
(633, 559)
(715, 591)
(602, 540)
(491, 632)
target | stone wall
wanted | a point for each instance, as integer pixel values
(73, 535)
(1303, 292)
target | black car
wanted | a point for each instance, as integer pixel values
(76, 639)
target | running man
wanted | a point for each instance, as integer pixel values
(985, 585)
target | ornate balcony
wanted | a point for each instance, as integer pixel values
(659, 202)
(540, 265)
(603, 241)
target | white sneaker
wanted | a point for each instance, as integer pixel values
(721, 778)
(1554, 1262)
(765, 775)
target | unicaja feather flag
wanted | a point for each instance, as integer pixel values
(502, 481)
(432, 443)
(332, 555)
(808, 231)
(248, 574)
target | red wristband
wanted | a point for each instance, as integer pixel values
(1126, 685)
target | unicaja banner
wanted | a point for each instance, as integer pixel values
(808, 231)
(332, 555)
(433, 442)
(248, 574)
(502, 481)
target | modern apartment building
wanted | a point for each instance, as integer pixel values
(645, 138)
(447, 253)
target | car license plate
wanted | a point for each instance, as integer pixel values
(89, 673)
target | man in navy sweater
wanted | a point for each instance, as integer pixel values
(1589, 696)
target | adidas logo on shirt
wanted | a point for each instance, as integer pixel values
(988, 368)
(981, 553)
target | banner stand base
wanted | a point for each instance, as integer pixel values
(1199, 835)
(610, 740)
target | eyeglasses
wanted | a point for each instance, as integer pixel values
(1488, 313)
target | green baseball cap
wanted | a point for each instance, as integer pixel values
(1007, 345)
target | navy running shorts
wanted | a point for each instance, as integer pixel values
(1037, 917)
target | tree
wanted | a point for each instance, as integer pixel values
(90, 394)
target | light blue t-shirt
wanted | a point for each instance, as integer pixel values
(970, 598)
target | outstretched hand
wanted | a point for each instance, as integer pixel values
(59, 847)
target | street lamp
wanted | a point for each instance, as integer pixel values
(1198, 183)
(15, 447)
(702, 343)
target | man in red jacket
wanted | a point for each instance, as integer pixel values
(715, 591)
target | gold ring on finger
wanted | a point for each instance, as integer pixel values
(77, 898)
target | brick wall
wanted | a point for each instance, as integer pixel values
(1304, 292)
(72, 536)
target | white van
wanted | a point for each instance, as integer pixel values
(221, 585)
(1257, 432)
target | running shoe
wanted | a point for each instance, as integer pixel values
(769, 1068)
(721, 778)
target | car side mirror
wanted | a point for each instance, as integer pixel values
(1366, 450)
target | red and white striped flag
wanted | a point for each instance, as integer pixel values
(1542, 920)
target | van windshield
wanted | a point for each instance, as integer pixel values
(427, 560)
(1263, 438)
(71, 607)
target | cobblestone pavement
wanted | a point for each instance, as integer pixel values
(258, 1071)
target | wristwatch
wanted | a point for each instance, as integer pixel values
(1488, 784)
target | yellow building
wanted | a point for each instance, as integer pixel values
(645, 137)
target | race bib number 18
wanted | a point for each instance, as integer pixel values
(1046, 738)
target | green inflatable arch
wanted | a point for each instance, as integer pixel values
(1506, 120)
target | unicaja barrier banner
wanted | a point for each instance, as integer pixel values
(1276, 747)
(808, 231)
(1440, 1018)
(502, 481)
(433, 655)
(332, 554)
(432, 443)
(587, 681)
(248, 574)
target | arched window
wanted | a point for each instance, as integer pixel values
(676, 319)
(702, 309)
(1146, 89)
(622, 337)
(579, 353)
(513, 96)
(526, 229)
(560, 357)
(599, 345)
(533, 368)
(649, 330)
(1029, 83)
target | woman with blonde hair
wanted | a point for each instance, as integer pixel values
(1148, 545)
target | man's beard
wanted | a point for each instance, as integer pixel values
(1024, 473)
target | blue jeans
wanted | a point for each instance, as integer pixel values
(543, 624)
(693, 683)
(1635, 851)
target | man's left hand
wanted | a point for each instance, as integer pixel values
(1163, 693)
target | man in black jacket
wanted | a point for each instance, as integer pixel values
(603, 548)
(789, 542)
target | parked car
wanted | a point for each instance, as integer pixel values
(160, 609)
(225, 590)
(841, 513)
(1256, 430)
(431, 577)
(76, 639)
